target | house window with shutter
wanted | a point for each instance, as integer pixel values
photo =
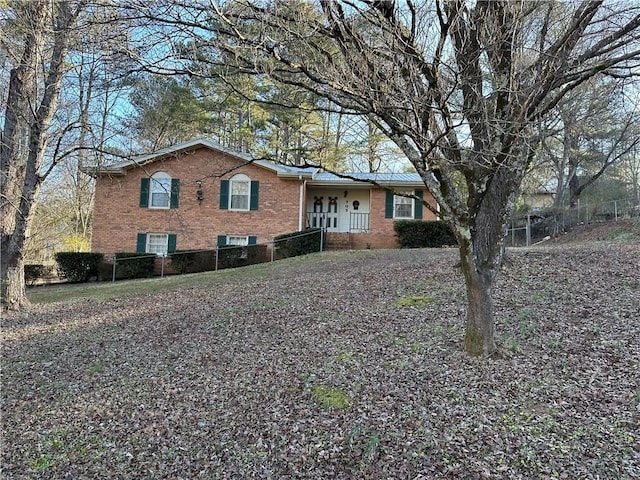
(240, 193)
(159, 191)
(236, 240)
(402, 206)
(158, 243)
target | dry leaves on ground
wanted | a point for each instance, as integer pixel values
(347, 365)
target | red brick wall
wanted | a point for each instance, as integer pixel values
(118, 218)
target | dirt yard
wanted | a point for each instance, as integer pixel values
(347, 365)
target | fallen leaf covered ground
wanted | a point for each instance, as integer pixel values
(343, 365)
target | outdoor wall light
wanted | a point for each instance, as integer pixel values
(199, 192)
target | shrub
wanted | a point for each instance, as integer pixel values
(296, 243)
(105, 271)
(34, 271)
(237, 256)
(134, 265)
(424, 234)
(78, 266)
(184, 261)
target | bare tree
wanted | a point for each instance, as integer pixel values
(593, 129)
(31, 103)
(458, 86)
(66, 67)
(628, 170)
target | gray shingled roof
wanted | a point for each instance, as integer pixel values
(368, 177)
(120, 167)
(313, 174)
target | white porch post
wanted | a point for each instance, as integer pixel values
(301, 203)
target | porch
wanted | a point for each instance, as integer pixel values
(353, 218)
(357, 222)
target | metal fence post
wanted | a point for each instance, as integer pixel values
(587, 215)
(273, 250)
(164, 255)
(321, 238)
(528, 230)
(513, 234)
(113, 274)
(579, 208)
(615, 209)
(217, 248)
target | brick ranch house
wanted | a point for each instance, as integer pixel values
(198, 194)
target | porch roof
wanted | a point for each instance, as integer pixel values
(385, 179)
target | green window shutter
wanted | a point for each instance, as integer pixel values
(417, 205)
(388, 205)
(222, 240)
(224, 194)
(175, 193)
(171, 244)
(144, 192)
(141, 244)
(253, 203)
(252, 240)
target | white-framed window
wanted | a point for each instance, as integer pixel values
(239, 240)
(239, 192)
(160, 190)
(402, 206)
(157, 243)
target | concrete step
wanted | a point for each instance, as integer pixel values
(337, 241)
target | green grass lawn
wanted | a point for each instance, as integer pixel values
(101, 291)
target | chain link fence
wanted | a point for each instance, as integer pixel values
(222, 257)
(527, 229)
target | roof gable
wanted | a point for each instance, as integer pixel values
(142, 160)
(314, 175)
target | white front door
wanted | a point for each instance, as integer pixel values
(345, 214)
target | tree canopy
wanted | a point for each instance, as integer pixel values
(458, 86)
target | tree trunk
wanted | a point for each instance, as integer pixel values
(479, 338)
(21, 164)
(481, 245)
(13, 156)
(12, 286)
